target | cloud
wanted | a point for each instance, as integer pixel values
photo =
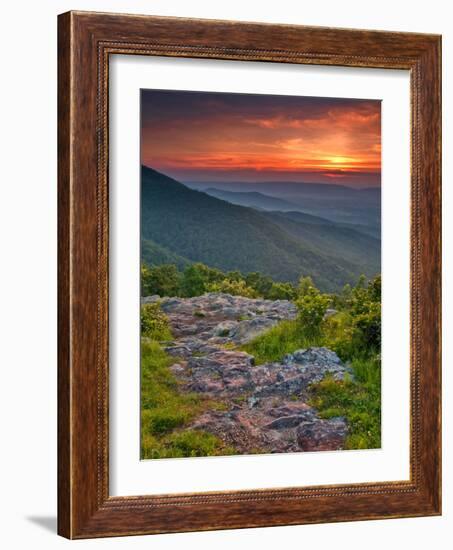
(194, 132)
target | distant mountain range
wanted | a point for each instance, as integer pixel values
(334, 202)
(253, 199)
(181, 225)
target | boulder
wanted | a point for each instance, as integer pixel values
(224, 328)
(322, 435)
(247, 330)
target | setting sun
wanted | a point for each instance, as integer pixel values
(195, 136)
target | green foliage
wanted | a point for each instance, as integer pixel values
(234, 287)
(368, 327)
(365, 306)
(341, 300)
(338, 332)
(163, 280)
(281, 291)
(199, 314)
(259, 282)
(311, 308)
(193, 283)
(197, 277)
(154, 323)
(355, 332)
(305, 286)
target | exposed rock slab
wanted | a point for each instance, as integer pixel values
(266, 406)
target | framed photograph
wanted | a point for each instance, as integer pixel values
(249, 275)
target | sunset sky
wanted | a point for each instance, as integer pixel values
(213, 137)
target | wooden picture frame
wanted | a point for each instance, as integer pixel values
(85, 42)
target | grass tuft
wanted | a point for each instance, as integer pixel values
(165, 410)
(275, 343)
(358, 400)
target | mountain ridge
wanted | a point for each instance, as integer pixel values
(199, 227)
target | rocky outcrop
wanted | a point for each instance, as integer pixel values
(265, 405)
(220, 318)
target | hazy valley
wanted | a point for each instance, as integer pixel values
(264, 233)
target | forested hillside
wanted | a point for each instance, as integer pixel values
(182, 225)
(335, 240)
(154, 254)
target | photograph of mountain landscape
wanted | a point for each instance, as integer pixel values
(260, 274)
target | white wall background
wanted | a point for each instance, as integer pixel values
(28, 276)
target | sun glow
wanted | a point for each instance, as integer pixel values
(202, 136)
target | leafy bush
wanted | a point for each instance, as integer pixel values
(365, 307)
(163, 280)
(281, 291)
(305, 286)
(193, 282)
(234, 287)
(368, 327)
(261, 283)
(196, 277)
(154, 323)
(311, 308)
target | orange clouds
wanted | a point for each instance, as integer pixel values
(238, 134)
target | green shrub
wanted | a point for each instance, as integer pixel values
(163, 280)
(368, 327)
(262, 284)
(196, 277)
(234, 287)
(365, 308)
(281, 291)
(311, 308)
(193, 282)
(305, 286)
(154, 323)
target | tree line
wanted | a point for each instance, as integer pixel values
(198, 278)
